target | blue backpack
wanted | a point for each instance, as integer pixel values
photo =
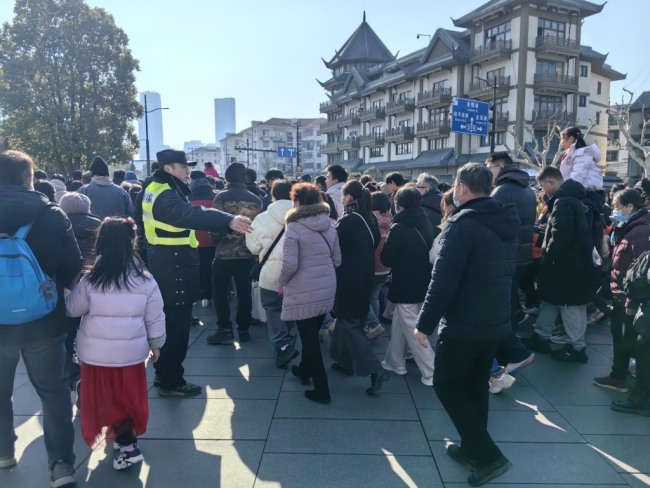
(27, 293)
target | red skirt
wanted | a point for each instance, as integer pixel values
(111, 397)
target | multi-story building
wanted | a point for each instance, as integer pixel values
(154, 120)
(257, 146)
(224, 117)
(387, 113)
(616, 157)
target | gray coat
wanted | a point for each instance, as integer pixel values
(107, 199)
(310, 255)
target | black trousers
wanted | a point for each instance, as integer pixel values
(223, 271)
(460, 379)
(311, 362)
(624, 338)
(643, 367)
(206, 256)
(169, 366)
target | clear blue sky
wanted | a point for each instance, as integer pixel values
(267, 54)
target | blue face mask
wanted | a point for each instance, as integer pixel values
(456, 202)
(619, 217)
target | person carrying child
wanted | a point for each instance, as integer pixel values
(122, 325)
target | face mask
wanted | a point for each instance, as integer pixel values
(456, 202)
(619, 217)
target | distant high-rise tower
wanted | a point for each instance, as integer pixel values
(224, 117)
(155, 126)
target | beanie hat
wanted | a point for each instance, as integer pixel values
(59, 188)
(130, 176)
(196, 174)
(99, 167)
(75, 203)
(236, 173)
(40, 175)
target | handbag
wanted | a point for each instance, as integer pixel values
(257, 268)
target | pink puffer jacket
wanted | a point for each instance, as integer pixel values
(383, 220)
(118, 327)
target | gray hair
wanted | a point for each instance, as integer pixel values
(476, 177)
(428, 180)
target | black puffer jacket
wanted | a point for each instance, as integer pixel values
(406, 252)
(567, 275)
(357, 270)
(472, 278)
(512, 187)
(176, 268)
(52, 241)
(85, 228)
(431, 205)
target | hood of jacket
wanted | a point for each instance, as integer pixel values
(431, 199)
(571, 188)
(20, 206)
(278, 210)
(592, 151)
(512, 174)
(384, 220)
(102, 180)
(314, 217)
(201, 189)
(413, 217)
(181, 188)
(502, 218)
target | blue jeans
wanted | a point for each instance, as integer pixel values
(45, 363)
(279, 330)
(372, 320)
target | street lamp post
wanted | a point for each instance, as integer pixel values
(146, 130)
(493, 108)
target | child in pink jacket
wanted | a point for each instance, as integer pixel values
(122, 325)
(579, 161)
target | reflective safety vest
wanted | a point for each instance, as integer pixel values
(151, 224)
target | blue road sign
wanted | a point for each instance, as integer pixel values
(286, 152)
(470, 117)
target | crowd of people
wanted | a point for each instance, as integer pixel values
(343, 259)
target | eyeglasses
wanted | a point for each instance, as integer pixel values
(422, 187)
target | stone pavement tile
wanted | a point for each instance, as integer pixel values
(527, 485)
(346, 437)
(626, 453)
(258, 333)
(544, 464)
(605, 350)
(341, 384)
(637, 480)
(201, 349)
(20, 380)
(384, 406)
(233, 387)
(602, 420)
(31, 470)
(196, 463)
(246, 367)
(328, 470)
(598, 335)
(506, 426)
(570, 384)
(195, 418)
(597, 420)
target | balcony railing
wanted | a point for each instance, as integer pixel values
(542, 118)
(330, 126)
(348, 119)
(401, 105)
(481, 89)
(557, 45)
(434, 128)
(326, 107)
(372, 140)
(330, 147)
(441, 96)
(502, 119)
(367, 114)
(555, 82)
(398, 134)
(490, 50)
(349, 143)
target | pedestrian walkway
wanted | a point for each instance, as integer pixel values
(252, 427)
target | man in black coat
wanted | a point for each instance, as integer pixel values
(169, 221)
(511, 185)
(427, 185)
(567, 275)
(41, 341)
(470, 292)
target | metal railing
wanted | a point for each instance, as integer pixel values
(491, 47)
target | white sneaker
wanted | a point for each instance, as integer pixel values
(426, 381)
(389, 367)
(375, 332)
(7, 462)
(126, 459)
(560, 339)
(205, 302)
(500, 383)
(513, 367)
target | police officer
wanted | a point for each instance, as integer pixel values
(169, 222)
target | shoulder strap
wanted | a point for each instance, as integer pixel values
(421, 237)
(372, 237)
(268, 254)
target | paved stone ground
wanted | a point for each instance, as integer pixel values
(252, 427)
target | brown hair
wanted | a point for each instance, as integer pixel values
(15, 168)
(306, 194)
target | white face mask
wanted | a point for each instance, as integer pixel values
(456, 202)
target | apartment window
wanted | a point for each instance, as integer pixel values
(353, 154)
(498, 33)
(599, 87)
(614, 135)
(265, 144)
(551, 28)
(597, 117)
(612, 156)
(545, 67)
(501, 105)
(405, 95)
(439, 114)
(278, 136)
(439, 85)
(491, 75)
(377, 104)
(265, 133)
(548, 104)
(584, 70)
(376, 131)
(354, 134)
(405, 148)
(499, 139)
(439, 143)
(404, 123)
(376, 152)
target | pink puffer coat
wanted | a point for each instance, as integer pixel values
(580, 165)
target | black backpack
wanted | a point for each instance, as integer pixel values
(637, 282)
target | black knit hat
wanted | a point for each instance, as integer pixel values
(99, 167)
(236, 173)
(197, 174)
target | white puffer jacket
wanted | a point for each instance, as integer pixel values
(267, 226)
(580, 165)
(118, 327)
